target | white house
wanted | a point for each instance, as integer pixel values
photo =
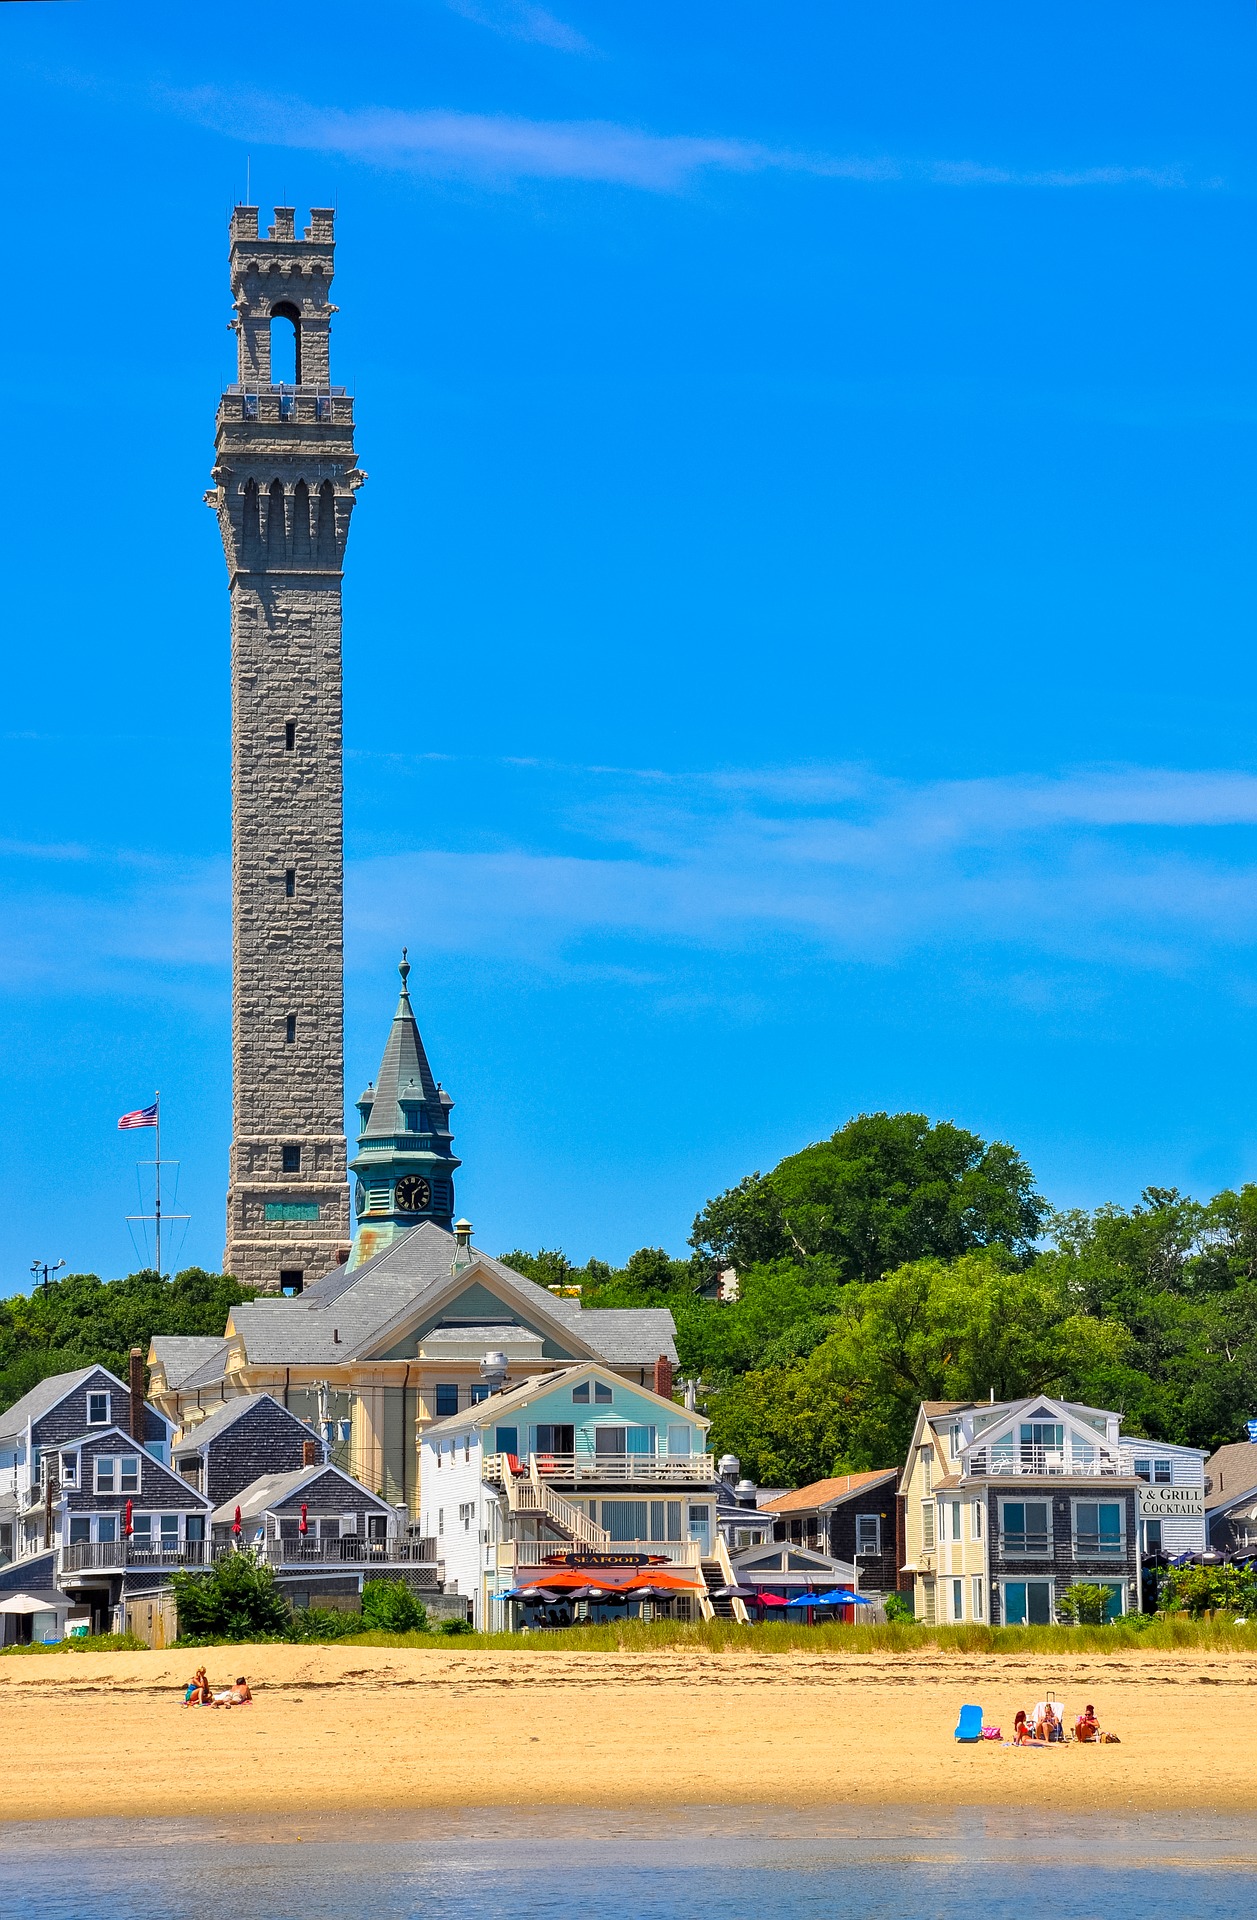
(573, 1475)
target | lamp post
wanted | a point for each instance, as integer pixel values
(43, 1267)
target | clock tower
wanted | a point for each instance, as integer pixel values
(405, 1162)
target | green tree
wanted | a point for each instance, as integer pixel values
(1085, 1603)
(1200, 1590)
(237, 1599)
(885, 1189)
(390, 1607)
(81, 1320)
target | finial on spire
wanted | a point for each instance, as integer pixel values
(404, 968)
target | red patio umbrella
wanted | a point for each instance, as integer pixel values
(772, 1600)
(126, 1521)
(235, 1525)
(303, 1528)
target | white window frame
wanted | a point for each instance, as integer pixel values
(107, 1397)
(929, 1532)
(977, 1598)
(99, 1483)
(128, 1467)
(954, 1535)
(1023, 1580)
(1099, 1552)
(977, 1523)
(71, 1465)
(863, 1523)
(957, 1599)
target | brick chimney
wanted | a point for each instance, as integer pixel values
(135, 1426)
(663, 1377)
(310, 1451)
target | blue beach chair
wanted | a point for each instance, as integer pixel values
(969, 1725)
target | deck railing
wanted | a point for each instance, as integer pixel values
(624, 1469)
(352, 1549)
(87, 1556)
(1042, 1461)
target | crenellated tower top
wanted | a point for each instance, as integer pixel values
(282, 277)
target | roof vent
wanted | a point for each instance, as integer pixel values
(729, 1466)
(744, 1493)
(493, 1370)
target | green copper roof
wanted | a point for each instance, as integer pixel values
(404, 1074)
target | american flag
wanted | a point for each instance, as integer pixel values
(142, 1117)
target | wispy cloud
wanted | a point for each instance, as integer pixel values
(519, 21)
(500, 148)
(1108, 870)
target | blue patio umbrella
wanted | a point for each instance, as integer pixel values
(843, 1597)
(805, 1600)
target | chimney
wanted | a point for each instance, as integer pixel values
(310, 1451)
(136, 1382)
(663, 1377)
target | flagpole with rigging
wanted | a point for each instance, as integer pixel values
(151, 1117)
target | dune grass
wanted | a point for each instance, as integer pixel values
(1152, 1635)
(82, 1643)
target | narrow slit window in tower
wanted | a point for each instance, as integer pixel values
(290, 1028)
(290, 883)
(290, 735)
(292, 1160)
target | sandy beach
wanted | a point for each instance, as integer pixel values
(341, 1728)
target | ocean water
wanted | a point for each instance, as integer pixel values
(718, 1863)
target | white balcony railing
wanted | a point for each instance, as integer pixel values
(607, 1469)
(351, 1550)
(1042, 1462)
(87, 1556)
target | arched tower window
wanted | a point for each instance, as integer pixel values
(285, 345)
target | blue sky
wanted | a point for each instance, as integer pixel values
(799, 625)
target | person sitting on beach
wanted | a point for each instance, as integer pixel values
(1021, 1729)
(1048, 1727)
(197, 1692)
(1086, 1726)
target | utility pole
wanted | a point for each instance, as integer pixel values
(39, 1267)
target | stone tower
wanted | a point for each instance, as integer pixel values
(405, 1163)
(284, 485)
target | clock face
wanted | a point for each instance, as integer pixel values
(413, 1194)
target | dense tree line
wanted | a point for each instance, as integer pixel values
(895, 1262)
(81, 1320)
(900, 1261)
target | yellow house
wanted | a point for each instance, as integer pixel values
(944, 1520)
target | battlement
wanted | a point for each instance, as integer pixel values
(321, 230)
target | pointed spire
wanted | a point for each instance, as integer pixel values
(405, 1078)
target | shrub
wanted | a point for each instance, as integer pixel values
(87, 1643)
(323, 1623)
(898, 1608)
(1084, 1604)
(389, 1606)
(458, 1625)
(1201, 1590)
(236, 1600)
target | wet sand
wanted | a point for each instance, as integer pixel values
(348, 1728)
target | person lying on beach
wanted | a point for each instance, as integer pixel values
(197, 1692)
(1022, 1735)
(234, 1696)
(1086, 1726)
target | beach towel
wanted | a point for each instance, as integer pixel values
(969, 1725)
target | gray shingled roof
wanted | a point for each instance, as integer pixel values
(270, 1488)
(223, 1417)
(189, 1361)
(36, 1403)
(364, 1305)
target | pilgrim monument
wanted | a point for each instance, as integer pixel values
(284, 485)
